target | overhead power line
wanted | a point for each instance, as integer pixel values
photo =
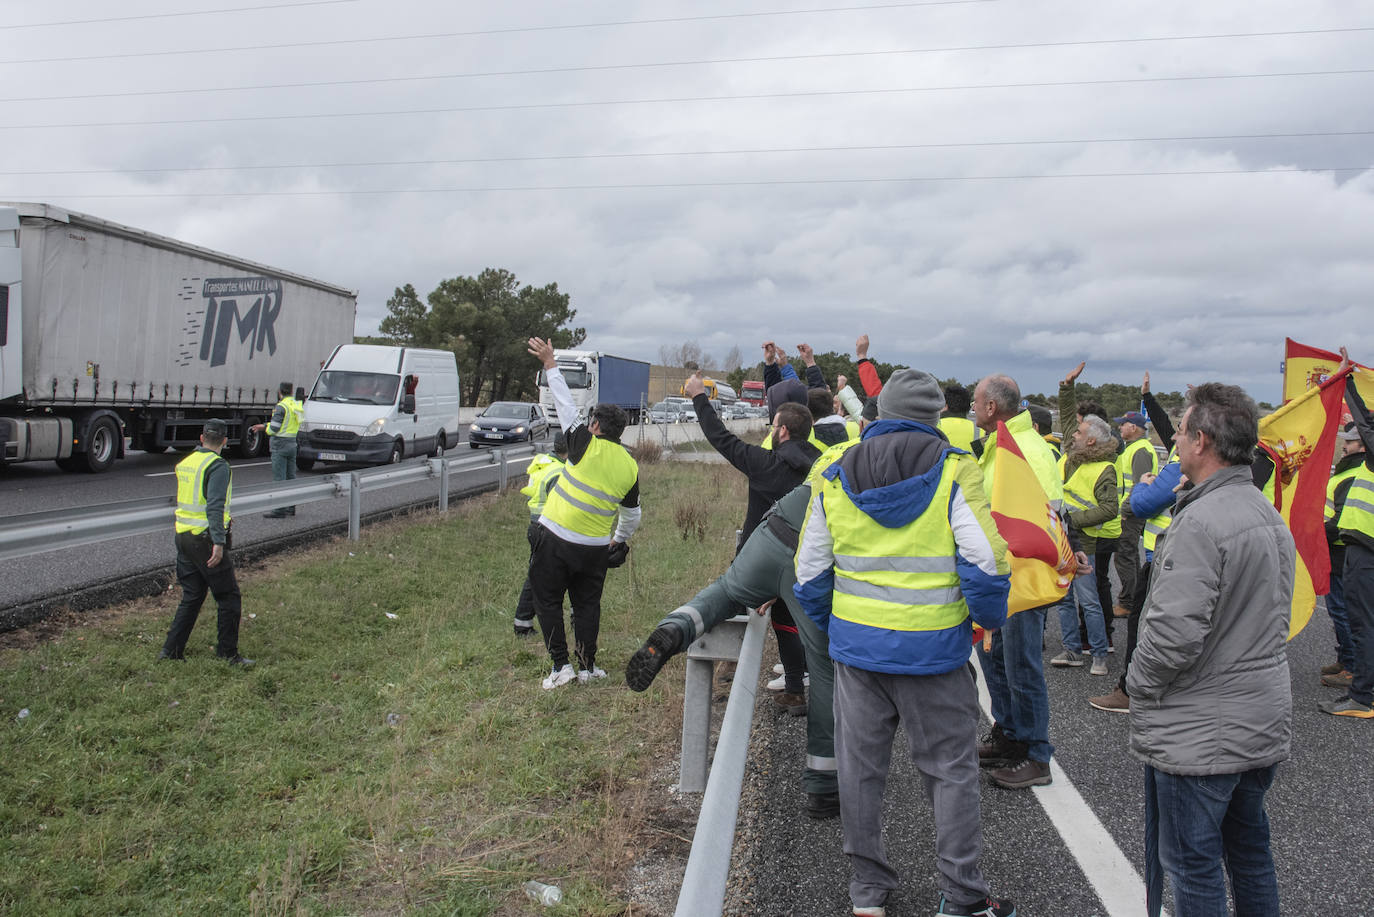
(235, 9)
(673, 63)
(593, 103)
(712, 184)
(563, 157)
(506, 31)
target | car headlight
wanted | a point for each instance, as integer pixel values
(375, 427)
(519, 429)
(474, 428)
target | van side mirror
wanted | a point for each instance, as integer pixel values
(408, 404)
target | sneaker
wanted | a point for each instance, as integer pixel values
(1069, 660)
(872, 910)
(988, 907)
(559, 677)
(524, 629)
(1116, 702)
(822, 805)
(1332, 668)
(778, 669)
(794, 704)
(640, 671)
(1346, 706)
(1341, 679)
(1022, 774)
(1111, 649)
(1099, 666)
(586, 675)
(780, 683)
(1000, 749)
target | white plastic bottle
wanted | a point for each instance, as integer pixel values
(547, 895)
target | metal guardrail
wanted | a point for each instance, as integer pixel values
(51, 530)
(708, 865)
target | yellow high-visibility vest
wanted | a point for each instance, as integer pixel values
(960, 432)
(1126, 459)
(293, 410)
(897, 579)
(192, 515)
(543, 472)
(586, 494)
(1358, 513)
(1079, 496)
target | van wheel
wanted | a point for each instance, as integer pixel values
(440, 444)
(398, 451)
(304, 464)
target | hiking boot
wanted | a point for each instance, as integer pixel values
(1022, 774)
(1341, 679)
(780, 683)
(794, 704)
(1333, 668)
(664, 642)
(586, 675)
(1346, 706)
(1069, 660)
(822, 805)
(1099, 666)
(988, 907)
(1116, 702)
(559, 677)
(1120, 611)
(1000, 749)
(524, 629)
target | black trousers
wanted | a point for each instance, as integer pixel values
(524, 608)
(196, 578)
(559, 568)
(1142, 589)
(1102, 562)
(1128, 562)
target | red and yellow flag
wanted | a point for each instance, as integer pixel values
(1307, 367)
(1041, 557)
(1301, 439)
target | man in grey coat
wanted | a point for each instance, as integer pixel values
(1211, 705)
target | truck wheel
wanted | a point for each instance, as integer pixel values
(253, 442)
(102, 446)
(398, 452)
(304, 464)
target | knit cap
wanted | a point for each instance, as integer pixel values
(780, 393)
(910, 394)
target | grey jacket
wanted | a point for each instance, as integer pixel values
(1209, 685)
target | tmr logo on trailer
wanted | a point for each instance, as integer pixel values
(242, 309)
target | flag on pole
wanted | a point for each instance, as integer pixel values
(1307, 367)
(1301, 439)
(1042, 560)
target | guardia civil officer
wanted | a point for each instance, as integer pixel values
(204, 490)
(286, 422)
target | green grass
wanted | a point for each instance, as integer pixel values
(366, 764)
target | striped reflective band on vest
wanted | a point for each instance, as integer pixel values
(1080, 495)
(1331, 486)
(586, 495)
(1126, 459)
(1358, 513)
(569, 478)
(191, 514)
(1157, 525)
(292, 411)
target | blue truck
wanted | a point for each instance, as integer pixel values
(594, 378)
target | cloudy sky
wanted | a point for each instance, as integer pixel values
(982, 185)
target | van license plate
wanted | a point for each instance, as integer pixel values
(333, 457)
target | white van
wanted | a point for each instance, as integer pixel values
(374, 404)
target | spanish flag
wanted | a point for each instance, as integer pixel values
(1301, 439)
(1306, 368)
(1042, 560)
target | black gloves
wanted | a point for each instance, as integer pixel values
(618, 553)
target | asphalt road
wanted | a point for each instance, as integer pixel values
(1321, 810)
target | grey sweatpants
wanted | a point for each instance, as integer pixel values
(940, 716)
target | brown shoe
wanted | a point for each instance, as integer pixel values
(1341, 679)
(1333, 668)
(794, 704)
(1022, 774)
(1120, 612)
(1116, 702)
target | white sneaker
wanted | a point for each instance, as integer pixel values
(584, 676)
(1099, 666)
(559, 677)
(780, 683)
(778, 669)
(1069, 660)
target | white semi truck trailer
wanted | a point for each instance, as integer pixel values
(108, 332)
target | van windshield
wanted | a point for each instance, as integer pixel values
(356, 388)
(576, 377)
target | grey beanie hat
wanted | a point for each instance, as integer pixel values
(910, 394)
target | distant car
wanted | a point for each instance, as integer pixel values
(508, 422)
(670, 412)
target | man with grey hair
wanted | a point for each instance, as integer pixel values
(1091, 498)
(1211, 701)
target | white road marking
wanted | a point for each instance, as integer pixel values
(168, 474)
(1113, 878)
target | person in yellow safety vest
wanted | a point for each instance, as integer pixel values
(1042, 418)
(1018, 749)
(543, 471)
(1356, 526)
(579, 537)
(827, 425)
(286, 422)
(205, 487)
(955, 423)
(1337, 674)
(1091, 500)
(1137, 457)
(898, 550)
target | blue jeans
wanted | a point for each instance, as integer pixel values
(1083, 592)
(1335, 607)
(1015, 672)
(1199, 830)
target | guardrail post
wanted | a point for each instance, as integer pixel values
(443, 485)
(696, 726)
(355, 506)
(503, 475)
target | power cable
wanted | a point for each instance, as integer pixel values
(677, 63)
(667, 154)
(713, 184)
(507, 31)
(815, 93)
(235, 9)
